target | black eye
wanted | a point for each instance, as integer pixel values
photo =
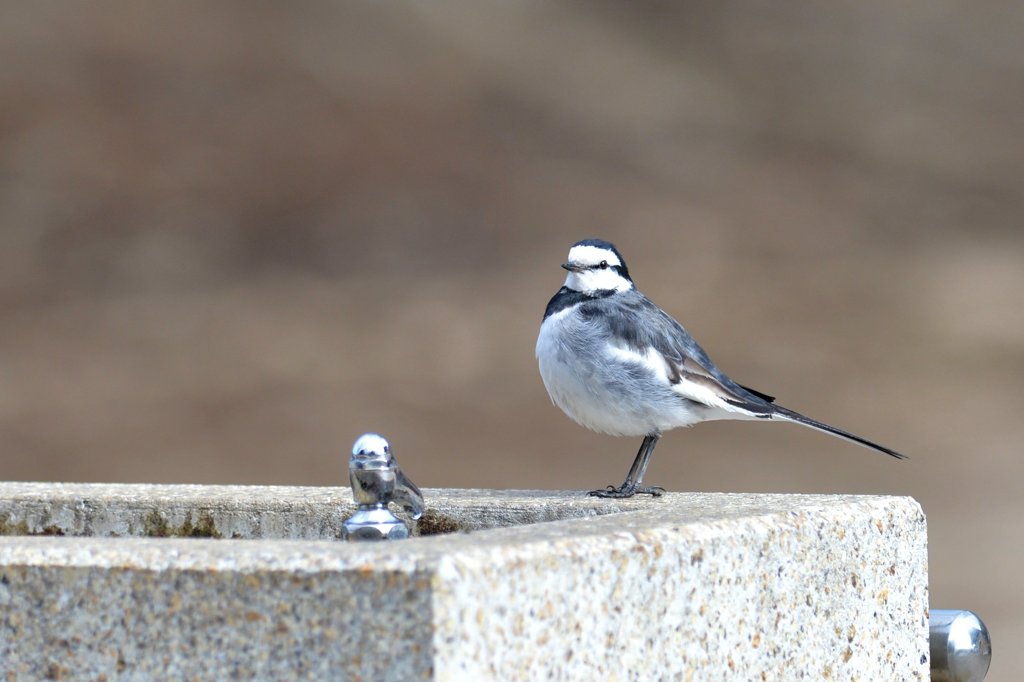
(603, 265)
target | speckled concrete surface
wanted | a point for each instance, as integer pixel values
(688, 586)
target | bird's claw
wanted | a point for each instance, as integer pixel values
(626, 490)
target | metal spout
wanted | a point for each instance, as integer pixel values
(376, 482)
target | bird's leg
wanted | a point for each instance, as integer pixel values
(631, 486)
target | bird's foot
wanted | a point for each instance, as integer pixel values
(627, 490)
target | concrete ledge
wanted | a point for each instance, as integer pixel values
(687, 586)
(262, 512)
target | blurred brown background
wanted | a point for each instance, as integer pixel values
(234, 236)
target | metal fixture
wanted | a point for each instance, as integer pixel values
(377, 481)
(960, 648)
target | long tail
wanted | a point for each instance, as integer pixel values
(796, 417)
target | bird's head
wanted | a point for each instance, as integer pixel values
(596, 265)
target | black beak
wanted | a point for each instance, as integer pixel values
(572, 267)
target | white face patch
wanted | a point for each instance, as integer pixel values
(596, 279)
(590, 281)
(592, 255)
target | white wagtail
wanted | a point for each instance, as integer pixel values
(618, 364)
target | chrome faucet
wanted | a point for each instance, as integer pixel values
(376, 482)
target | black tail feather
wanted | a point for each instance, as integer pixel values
(792, 416)
(763, 396)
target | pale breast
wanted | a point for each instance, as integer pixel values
(603, 389)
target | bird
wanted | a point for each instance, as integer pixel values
(616, 363)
